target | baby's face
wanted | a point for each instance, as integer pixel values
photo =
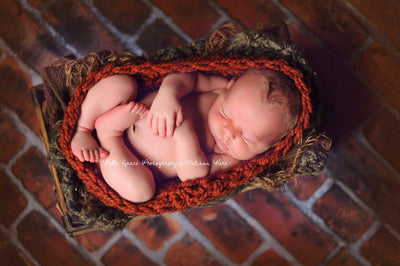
(241, 123)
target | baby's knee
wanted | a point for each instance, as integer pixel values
(127, 86)
(142, 189)
(120, 86)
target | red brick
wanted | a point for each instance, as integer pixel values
(26, 37)
(80, 27)
(384, 15)
(342, 214)
(362, 172)
(14, 201)
(10, 255)
(383, 133)
(34, 174)
(195, 17)
(158, 35)
(125, 253)
(188, 252)
(250, 13)
(226, 230)
(330, 21)
(340, 88)
(45, 243)
(343, 258)
(127, 16)
(305, 186)
(11, 141)
(15, 84)
(270, 257)
(382, 249)
(288, 225)
(382, 70)
(39, 4)
(155, 231)
(92, 241)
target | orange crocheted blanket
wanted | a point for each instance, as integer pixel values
(175, 195)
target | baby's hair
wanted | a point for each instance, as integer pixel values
(282, 92)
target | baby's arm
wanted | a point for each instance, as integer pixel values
(191, 161)
(166, 111)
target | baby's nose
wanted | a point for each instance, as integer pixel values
(230, 131)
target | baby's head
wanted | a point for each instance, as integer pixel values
(254, 113)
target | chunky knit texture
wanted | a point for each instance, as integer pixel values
(176, 195)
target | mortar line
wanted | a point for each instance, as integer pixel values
(267, 236)
(202, 240)
(161, 253)
(371, 29)
(382, 160)
(34, 205)
(356, 199)
(330, 232)
(57, 36)
(3, 55)
(318, 221)
(159, 13)
(33, 75)
(331, 255)
(127, 39)
(17, 243)
(153, 255)
(167, 244)
(224, 17)
(350, 61)
(361, 50)
(30, 136)
(320, 192)
(98, 254)
(354, 248)
(264, 247)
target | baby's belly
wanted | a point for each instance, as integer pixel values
(155, 152)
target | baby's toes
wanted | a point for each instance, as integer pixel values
(130, 106)
(80, 156)
(144, 114)
(92, 156)
(103, 154)
(141, 109)
(86, 155)
(137, 109)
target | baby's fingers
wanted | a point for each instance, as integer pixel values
(154, 125)
(150, 119)
(179, 118)
(161, 127)
(170, 127)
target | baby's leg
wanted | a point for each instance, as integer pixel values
(102, 97)
(122, 170)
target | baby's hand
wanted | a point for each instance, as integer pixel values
(165, 114)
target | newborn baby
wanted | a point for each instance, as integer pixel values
(197, 125)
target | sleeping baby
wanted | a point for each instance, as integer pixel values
(197, 125)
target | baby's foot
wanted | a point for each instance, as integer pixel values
(118, 119)
(85, 147)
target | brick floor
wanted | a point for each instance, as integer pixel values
(348, 215)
